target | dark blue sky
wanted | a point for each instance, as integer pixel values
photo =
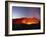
(18, 12)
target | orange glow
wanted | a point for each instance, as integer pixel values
(30, 21)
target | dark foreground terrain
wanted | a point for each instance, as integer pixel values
(18, 23)
(25, 26)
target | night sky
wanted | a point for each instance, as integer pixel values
(19, 12)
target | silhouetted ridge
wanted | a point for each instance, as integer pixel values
(32, 20)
